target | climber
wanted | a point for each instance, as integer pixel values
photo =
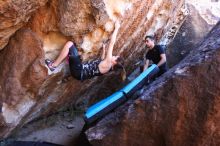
(87, 70)
(156, 53)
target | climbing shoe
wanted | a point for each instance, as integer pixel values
(49, 64)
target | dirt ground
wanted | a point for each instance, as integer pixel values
(62, 128)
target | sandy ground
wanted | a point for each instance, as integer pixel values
(63, 128)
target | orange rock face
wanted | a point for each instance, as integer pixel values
(13, 15)
(179, 109)
(28, 90)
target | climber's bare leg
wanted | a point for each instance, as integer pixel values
(64, 52)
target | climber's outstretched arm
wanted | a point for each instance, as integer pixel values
(112, 41)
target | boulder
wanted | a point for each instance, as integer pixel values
(180, 108)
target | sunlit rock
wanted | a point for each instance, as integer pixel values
(203, 15)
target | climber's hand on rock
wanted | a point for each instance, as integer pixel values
(117, 24)
(104, 46)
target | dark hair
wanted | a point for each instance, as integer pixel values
(120, 65)
(150, 37)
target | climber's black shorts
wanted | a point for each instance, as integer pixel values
(75, 63)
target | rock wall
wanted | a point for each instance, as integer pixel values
(208, 9)
(38, 30)
(181, 108)
(13, 15)
(22, 74)
(203, 16)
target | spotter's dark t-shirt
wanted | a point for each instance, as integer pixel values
(154, 55)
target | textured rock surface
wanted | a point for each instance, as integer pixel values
(28, 91)
(203, 16)
(22, 72)
(13, 15)
(208, 9)
(180, 109)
